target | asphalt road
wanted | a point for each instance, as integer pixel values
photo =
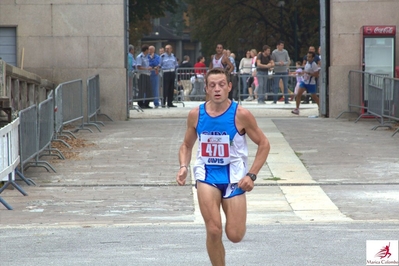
(181, 245)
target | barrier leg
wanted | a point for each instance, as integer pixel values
(396, 131)
(63, 142)
(8, 206)
(28, 181)
(57, 153)
(12, 182)
(82, 127)
(93, 124)
(43, 164)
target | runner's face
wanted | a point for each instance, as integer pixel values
(219, 49)
(217, 88)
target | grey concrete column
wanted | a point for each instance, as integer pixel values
(198, 48)
(157, 46)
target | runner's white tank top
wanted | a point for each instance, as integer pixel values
(217, 62)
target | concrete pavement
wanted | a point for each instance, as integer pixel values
(126, 174)
(324, 172)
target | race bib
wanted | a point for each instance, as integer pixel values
(215, 149)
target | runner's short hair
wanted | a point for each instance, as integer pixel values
(216, 71)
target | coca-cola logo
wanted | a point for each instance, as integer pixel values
(383, 30)
(379, 30)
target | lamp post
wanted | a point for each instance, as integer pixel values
(296, 32)
(281, 4)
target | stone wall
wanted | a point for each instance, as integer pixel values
(73, 39)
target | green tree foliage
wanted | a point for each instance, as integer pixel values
(142, 11)
(177, 21)
(245, 24)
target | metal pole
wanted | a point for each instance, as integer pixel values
(126, 26)
(296, 33)
(323, 72)
(281, 22)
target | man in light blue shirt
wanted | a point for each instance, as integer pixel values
(131, 66)
(143, 68)
(154, 61)
(168, 65)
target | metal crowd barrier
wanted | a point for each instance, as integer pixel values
(373, 95)
(270, 89)
(9, 158)
(34, 135)
(93, 102)
(192, 81)
(46, 130)
(140, 89)
(68, 101)
(391, 100)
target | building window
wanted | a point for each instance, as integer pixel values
(8, 45)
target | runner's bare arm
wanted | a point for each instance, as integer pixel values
(211, 63)
(246, 121)
(186, 148)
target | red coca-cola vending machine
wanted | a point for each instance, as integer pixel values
(378, 50)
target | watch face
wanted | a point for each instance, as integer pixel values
(252, 176)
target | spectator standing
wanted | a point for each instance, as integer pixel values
(144, 84)
(200, 67)
(131, 66)
(253, 80)
(168, 65)
(263, 63)
(131, 63)
(233, 76)
(245, 69)
(281, 64)
(154, 61)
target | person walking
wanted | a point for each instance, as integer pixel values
(168, 64)
(221, 167)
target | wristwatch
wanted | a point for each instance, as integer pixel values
(252, 176)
